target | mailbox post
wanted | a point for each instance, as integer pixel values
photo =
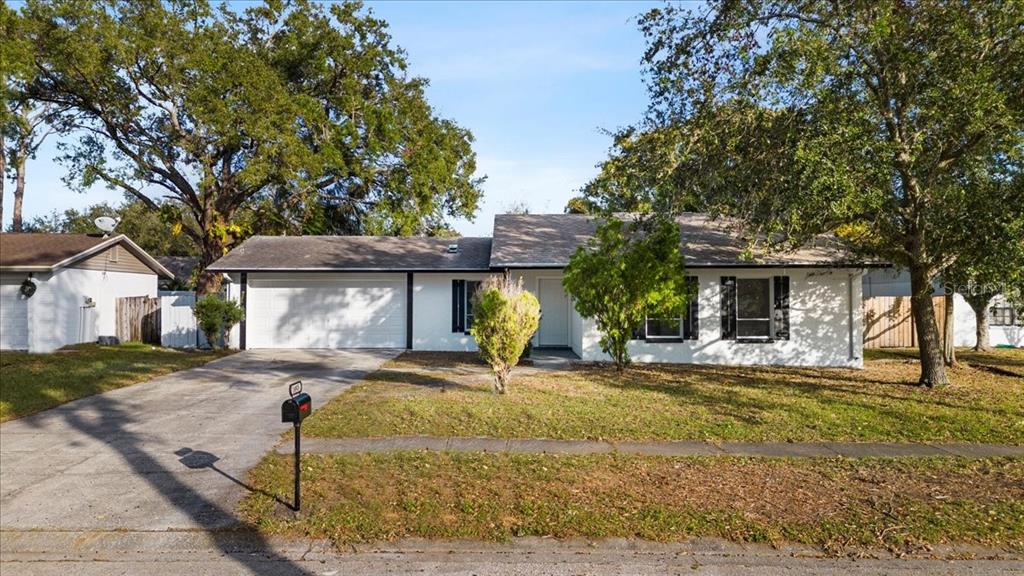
(295, 409)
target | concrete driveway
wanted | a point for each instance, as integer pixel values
(168, 454)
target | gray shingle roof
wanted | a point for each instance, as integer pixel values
(355, 253)
(35, 249)
(549, 240)
(44, 251)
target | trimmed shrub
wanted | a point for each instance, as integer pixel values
(217, 316)
(505, 318)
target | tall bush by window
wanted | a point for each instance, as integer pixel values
(506, 317)
(625, 273)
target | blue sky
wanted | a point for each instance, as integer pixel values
(534, 81)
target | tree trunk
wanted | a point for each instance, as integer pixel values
(3, 178)
(980, 307)
(19, 187)
(212, 249)
(948, 336)
(933, 369)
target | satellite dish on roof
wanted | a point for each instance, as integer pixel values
(105, 223)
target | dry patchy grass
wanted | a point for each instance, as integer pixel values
(449, 395)
(30, 383)
(833, 503)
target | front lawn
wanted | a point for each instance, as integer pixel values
(837, 504)
(449, 395)
(30, 383)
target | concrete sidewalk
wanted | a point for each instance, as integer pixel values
(671, 448)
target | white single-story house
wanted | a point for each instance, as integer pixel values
(60, 289)
(1005, 326)
(798, 309)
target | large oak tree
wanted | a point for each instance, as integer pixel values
(302, 114)
(871, 119)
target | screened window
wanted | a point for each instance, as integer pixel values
(753, 308)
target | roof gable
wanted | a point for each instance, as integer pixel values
(47, 252)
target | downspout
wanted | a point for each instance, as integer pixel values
(849, 309)
(243, 292)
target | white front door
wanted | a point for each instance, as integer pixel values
(554, 308)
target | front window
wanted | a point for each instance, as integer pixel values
(753, 308)
(665, 327)
(1004, 316)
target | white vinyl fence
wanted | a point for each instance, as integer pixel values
(178, 327)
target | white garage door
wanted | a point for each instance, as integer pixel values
(335, 311)
(13, 315)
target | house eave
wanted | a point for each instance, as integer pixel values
(252, 270)
(549, 266)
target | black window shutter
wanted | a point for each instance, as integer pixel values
(691, 324)
(781, 285)
(458, 303)
(728, 307)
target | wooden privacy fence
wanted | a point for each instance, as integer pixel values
(138, 319)
(888, 322)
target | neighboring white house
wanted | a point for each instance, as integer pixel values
(60, 289)
(800, 309)
(1005, 327)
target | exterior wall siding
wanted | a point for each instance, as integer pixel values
(124, 261)
(826, 324)
(58, 314)
(432, 312)
(822, 304)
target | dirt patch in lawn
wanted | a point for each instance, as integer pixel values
(839, 505)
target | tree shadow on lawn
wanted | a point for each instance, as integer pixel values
(719, 390)
(420, 379)
(995, 357)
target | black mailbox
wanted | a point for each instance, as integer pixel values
(295, 409)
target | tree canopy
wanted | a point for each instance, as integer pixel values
(303, 114)
(876, 121)
(152, 230)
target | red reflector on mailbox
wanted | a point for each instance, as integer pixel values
(295, 410)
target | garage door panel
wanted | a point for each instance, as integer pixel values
(329, 313)
(13, 317)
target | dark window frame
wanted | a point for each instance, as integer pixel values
(1004, 315)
